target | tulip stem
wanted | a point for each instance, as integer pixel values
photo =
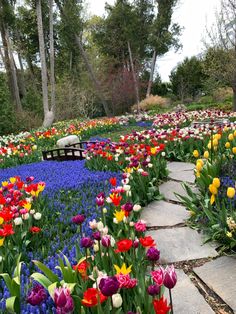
(171, 303)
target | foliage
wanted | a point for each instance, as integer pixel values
(187, 78)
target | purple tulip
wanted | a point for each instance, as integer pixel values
(63, 300)
(106, 241)
(153, 254)
(100, 199)
(128, 207)
(136, 243)
(78, 219)
(109, 286)
(97, 236)
(86, 242)
(37, 295)
(170, 277)
(153, 290)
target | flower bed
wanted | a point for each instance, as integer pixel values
(213, 208)
(64, 197)
(27, 147)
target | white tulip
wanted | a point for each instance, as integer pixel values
(117, 300)
(100, 225)
(37, 216)
(18, 221)
(136, 208)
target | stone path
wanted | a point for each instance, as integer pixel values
(204, 278)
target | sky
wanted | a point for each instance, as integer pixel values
(192, 15)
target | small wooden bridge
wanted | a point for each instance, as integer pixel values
(69, 152)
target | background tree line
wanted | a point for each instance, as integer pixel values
(58, 63)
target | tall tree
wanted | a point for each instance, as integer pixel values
(164, 35)
(77, 37)
(49, 113)
(223, 47)
(6, 20)
(188, 78)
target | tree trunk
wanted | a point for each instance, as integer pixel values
(93, 77)
(10, 68)
(149, 88)
(48, 115)
(13, 73)
(134, 76)
(234, 98)
(21, 77)
(52, 59)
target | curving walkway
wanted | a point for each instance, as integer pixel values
(206, 281)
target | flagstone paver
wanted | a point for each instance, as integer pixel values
(181, 244)
(161, 213)
(185, 176)
(178, 243)
(186, 298)
(169, 188)
(220, 276)
(176, 166)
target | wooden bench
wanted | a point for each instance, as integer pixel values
(70, 152)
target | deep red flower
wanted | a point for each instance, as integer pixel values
(35, 229)
(91, 297)
(123, 245)
(160, 306)
(6, 231)
(147, 241)
(113, 181)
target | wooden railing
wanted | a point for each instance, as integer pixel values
(70, 152)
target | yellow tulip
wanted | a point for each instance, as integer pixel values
(230, 137)
(227, 145)
(218, 136)
(197, 174)
(234, 150)
(2, 241)
(209, 145)
(123, 270)
(12, 180)
(195, 153)
(213, 189)
(200, 161)
(235, 133)
(206, 154)
(230, 192)
(119, 215)
(216, 182)
(1, 220)
(199, 166)
(215, 142)
(212, 200)
(229, 234)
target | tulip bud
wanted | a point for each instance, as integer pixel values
(117, 300)
(170, 277)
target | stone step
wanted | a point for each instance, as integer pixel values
(185, 176)
(220, 276)
(163, 214)
(169, 188)
(186, 297)
(177, 166)
(181, 244)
